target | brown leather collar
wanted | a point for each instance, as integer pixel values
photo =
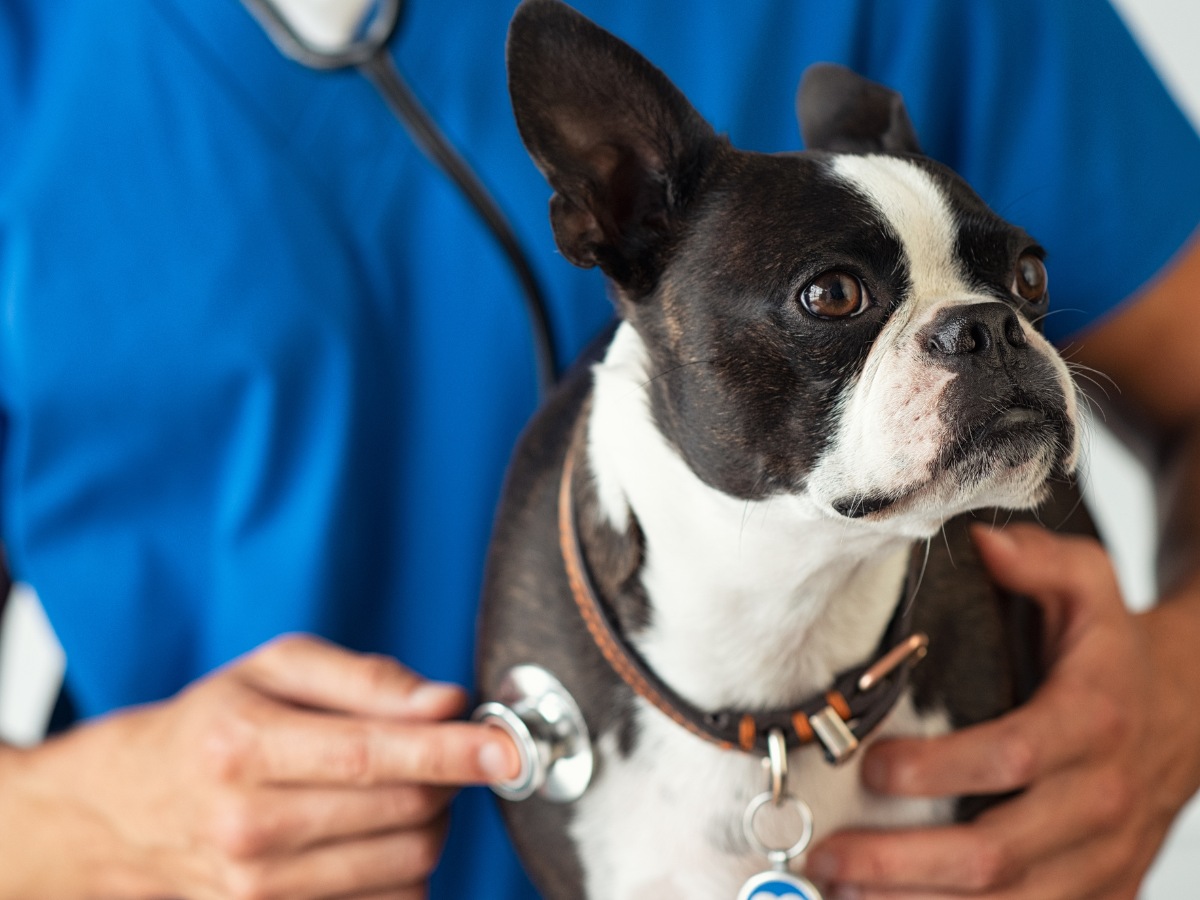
(838, 718)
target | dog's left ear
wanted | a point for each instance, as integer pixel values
(621, 146)
(843, 112)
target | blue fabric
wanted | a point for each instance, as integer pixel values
(261, 368)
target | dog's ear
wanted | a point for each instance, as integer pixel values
(843, 112)
(621, 146)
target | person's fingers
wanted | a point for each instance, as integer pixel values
(415, 892)
(986, 856)
(377, 863)
(272, 745)
(280, 820)
(1091, 871)
(1027, 559)
(1059, 725)
(916, 859)
(1078, 889)
(308, 671)
(1055, 816)
(1106, 869)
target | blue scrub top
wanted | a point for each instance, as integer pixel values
(261, 367)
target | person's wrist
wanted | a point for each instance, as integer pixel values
(24, 865)
(53, 841)
(13, 771)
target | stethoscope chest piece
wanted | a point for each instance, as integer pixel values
(546, 725)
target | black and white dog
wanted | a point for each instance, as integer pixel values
(822, 357)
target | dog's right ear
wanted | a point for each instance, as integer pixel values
(621, 146)
(843, 112)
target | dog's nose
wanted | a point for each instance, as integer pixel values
(978, 333)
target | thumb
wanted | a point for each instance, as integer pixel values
(1028, 559)
(307, 671)
(1068, 576)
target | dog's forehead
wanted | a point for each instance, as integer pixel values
(916, 209)
(909, 223)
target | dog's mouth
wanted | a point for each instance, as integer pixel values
(1017, 417)
(979, 453)
(858, 506)
(1008, 438)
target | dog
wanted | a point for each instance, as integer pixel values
(822, 359)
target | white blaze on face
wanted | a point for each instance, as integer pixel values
(890, 432)
(917, 211)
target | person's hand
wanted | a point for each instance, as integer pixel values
(1104, 754)
(299, 771)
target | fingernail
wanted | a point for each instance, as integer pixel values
(497, 762)
(434, 698)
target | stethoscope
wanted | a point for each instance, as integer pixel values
(536, 711)
(354, 34)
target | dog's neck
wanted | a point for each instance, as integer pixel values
(751, 603)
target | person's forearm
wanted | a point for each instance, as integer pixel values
(1173, 625)
(1178, 465)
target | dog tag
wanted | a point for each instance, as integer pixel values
(777, 885)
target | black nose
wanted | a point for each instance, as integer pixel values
(984, 333)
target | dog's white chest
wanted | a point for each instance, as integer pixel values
(665, 822)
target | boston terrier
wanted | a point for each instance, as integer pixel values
(731, 533)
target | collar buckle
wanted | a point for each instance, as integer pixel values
(830, 724)
(834, 734)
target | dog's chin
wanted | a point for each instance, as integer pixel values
(1008, 464)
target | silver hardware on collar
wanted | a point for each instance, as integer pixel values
(551, 736)
(915, 646)
(777, 761)
(833, 733)
(779, 882)
(777, 855)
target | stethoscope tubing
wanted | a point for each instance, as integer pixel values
(369, 54)
(385, 75)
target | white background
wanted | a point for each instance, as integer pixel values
(31, 663)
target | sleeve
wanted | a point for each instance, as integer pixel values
(1057, 119)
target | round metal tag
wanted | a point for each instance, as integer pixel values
(778, 886)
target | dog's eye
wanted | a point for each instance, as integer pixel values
(1030, 279)
(835, 295)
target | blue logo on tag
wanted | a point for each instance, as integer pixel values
(778, 886)
(775, 890)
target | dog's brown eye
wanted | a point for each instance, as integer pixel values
(835, 295)
(1030, 279)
